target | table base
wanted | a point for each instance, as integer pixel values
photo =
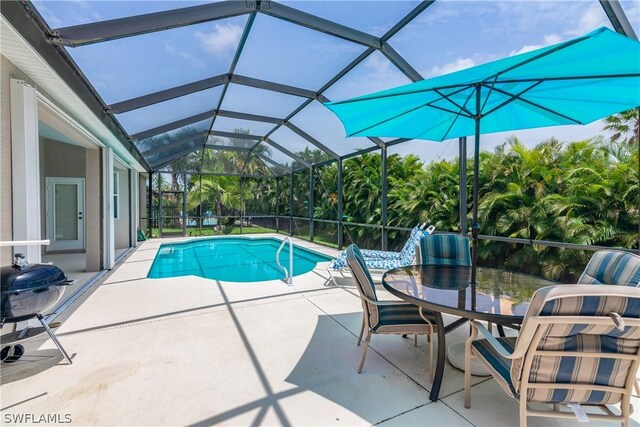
(455, 354)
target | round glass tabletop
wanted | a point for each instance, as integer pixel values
(498, 295)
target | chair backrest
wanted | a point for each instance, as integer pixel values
(408, 251)
(364, 282)
(611, 267)
(444, 249)
(578, 344)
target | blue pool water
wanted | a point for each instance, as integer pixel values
(234, 259)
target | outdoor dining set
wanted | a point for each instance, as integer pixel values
(576, 344)
(571, 346)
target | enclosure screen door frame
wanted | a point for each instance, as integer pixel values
(180, 217)
(75, 241)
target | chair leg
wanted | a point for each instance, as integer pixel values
(625, 408)
(415, 340)
(473, 334)
(636, 385)
(332, 278)
(523, 411)
(467, 373)
(364, 351)
(361, 330)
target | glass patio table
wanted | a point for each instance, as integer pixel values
(498, 296)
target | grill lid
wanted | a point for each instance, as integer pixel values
(30, 276)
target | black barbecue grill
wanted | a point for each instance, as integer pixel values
(27, 291)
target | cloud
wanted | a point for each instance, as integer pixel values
(378, 65)
(444, 13)
(196, 62)
(222, 40)
(382, 71)
(82, 3)
(593, 17)
(547, 40)
(450, 67)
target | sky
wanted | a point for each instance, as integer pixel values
(448, 36)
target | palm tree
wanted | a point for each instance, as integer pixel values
(625, 127)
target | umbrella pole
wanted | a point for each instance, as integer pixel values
(475, 227)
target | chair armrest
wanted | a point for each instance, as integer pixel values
(376, 302)
(492, 340)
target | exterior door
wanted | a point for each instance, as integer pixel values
(65, 214)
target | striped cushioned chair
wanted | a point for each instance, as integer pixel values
(579, 344)
(386, 317)
(610, 267)
(444, 249)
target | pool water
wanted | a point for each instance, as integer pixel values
(234, 259)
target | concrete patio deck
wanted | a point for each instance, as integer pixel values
(193, 351)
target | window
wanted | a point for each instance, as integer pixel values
(116, 195)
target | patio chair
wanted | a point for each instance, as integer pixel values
(579, 345)
(611, 267)
(386, 317)
(383, 260)
(444, 249)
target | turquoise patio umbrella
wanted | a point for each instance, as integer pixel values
(573, 82)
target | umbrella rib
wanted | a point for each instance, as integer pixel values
(511, 99)
(460, 86)
(428, 104)
(591, 77)
(461, 107)
(455, 119)
(486, 99)
(535, 104)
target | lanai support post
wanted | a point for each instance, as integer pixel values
(150, 206)
(311, 201)
(340, 202)
(201, 220)
(291, 205)
(184, 204)
(475, 226)
(383, 217)
(277, 203)
(462, 162)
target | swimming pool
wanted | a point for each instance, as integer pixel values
(232, 259)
